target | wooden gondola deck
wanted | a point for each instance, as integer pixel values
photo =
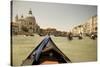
(46, 53)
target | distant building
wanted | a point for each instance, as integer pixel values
(86, 28)
(91, 25)
(52, 31)
(28, 26)
(48, 31)
(15, 28)
(77, 30)
(25, 25)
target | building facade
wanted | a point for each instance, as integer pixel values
(90, 26)
(25, 25)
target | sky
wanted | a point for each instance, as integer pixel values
(63, 17)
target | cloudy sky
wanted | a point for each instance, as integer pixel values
(55, 15)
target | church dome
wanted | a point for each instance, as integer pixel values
(30, 17)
